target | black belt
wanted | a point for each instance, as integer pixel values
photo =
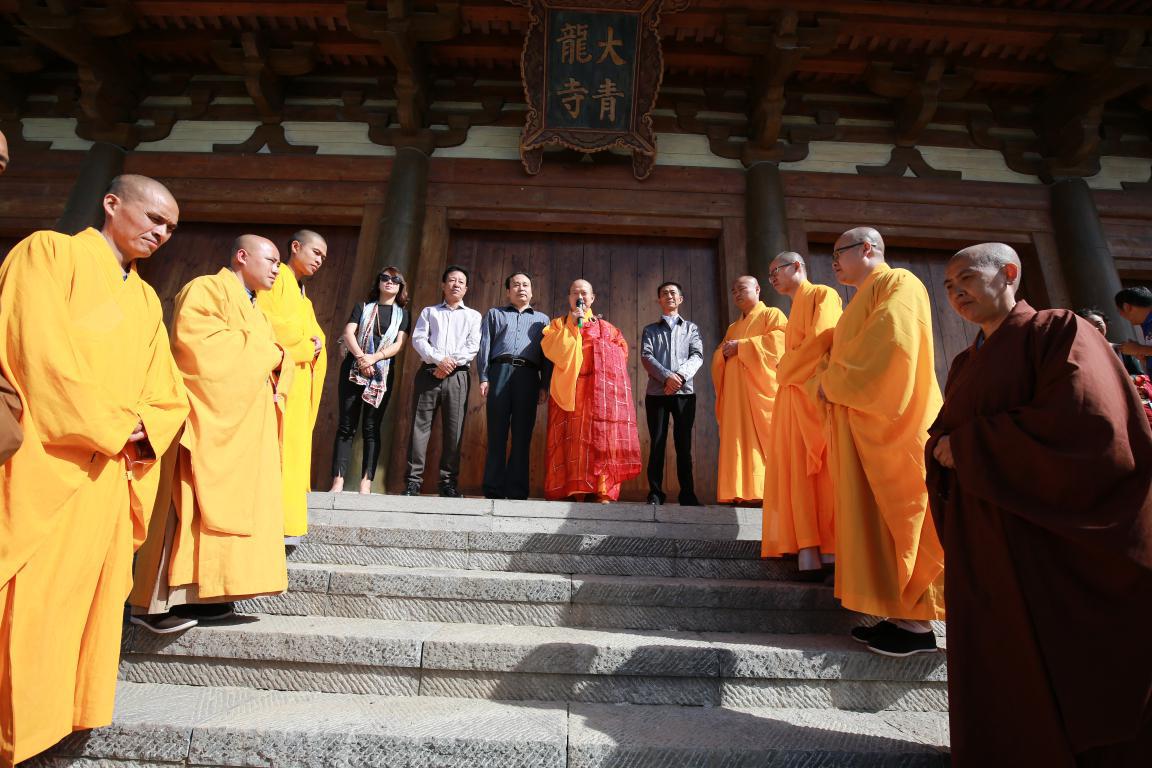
(515, 362)
(457, 369)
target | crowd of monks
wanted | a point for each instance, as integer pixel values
(1028, 484)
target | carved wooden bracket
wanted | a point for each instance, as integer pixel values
(778, 49)
(919, 93)
(270, 135)
(727, 139)
(399, 30)
(17, 145)
(263, 69)
(904, 159)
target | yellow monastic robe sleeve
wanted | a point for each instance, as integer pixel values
(163, 408)
(290, 315)
(227, 355)
(85, 415)
(809, 334)
(759, 353)
(564, 346)
(875, 370)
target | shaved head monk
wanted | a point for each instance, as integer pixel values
(593, 445)
(293, 319)
(744, 372)
(86, 349)
(1038, 469)
(218, 534)
(11, 435)
(798, 503)
(880, 383)
(4, 156)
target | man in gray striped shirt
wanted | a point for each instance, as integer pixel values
(672, 352)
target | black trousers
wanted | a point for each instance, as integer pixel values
(451, 396)
(511, 406)
(352, 410)
(682, 410)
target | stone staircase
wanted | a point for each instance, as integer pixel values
(433, 633)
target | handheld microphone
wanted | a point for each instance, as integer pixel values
(580, 307)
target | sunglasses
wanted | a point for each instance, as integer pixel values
(391, 279)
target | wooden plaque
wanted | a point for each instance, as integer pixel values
(592, 70)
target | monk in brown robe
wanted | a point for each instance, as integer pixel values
(1040, 482)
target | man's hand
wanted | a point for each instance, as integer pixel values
(316, 342)
(445, 367)
(730, 347)
(138, 433)
(484, 390)
(943, 452)
(673, 384)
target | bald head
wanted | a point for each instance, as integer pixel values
(995, 255)
(580, 290)
(306, 253)
(256, 261)
(140, 215)
(981, 282)
(746, 293)
(867, 235)
(787, 273)
(3, 152)
(856, 255)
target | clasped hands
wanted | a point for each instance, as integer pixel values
(730, 348)
(444, 368)
(673, 384)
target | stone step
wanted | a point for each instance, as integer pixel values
(187, 726)
(431, 533)
(469, 661)
(536, 599)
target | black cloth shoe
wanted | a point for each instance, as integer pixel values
(412, 489)
(655, 498)
(207, 611)
(448, 491)
(866, 634)
(163, 623)
(689, 500)
(901, 642)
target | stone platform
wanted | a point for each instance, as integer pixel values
(466, 632)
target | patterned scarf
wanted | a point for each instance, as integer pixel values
(376, 385)
(616, 449)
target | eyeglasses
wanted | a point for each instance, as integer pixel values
(772, 272)
(837, 251)
(391, 279)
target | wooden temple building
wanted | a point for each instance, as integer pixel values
(418, 134)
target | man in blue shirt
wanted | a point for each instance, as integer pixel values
(1135, 305)
(514, 378)
(672, 352)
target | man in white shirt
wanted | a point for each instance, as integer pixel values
(447, 338)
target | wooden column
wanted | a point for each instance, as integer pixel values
(85, 206)
(1087, 264)
(400, 233)
(766, 224)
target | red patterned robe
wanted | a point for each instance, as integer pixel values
(593, 445)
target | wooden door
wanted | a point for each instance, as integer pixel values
(625, 273)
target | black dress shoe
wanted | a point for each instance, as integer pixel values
(413, 489)
(655, 498)
(689, 500)
(449, 492)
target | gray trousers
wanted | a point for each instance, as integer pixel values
(428, 394)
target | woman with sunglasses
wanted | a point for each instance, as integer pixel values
(375, 333)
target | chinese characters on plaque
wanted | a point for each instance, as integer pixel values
(592, 77)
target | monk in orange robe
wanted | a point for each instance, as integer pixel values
(880, 382)
(293, 317)
(84, 346)
(219, 535)
(799, 508)
(593, 445)
(744, 372)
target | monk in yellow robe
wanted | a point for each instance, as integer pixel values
(799, 511)
(593, 445)
(294, 320)
(744, 372)
(84, 346)
(880, 382)
(220, 535)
